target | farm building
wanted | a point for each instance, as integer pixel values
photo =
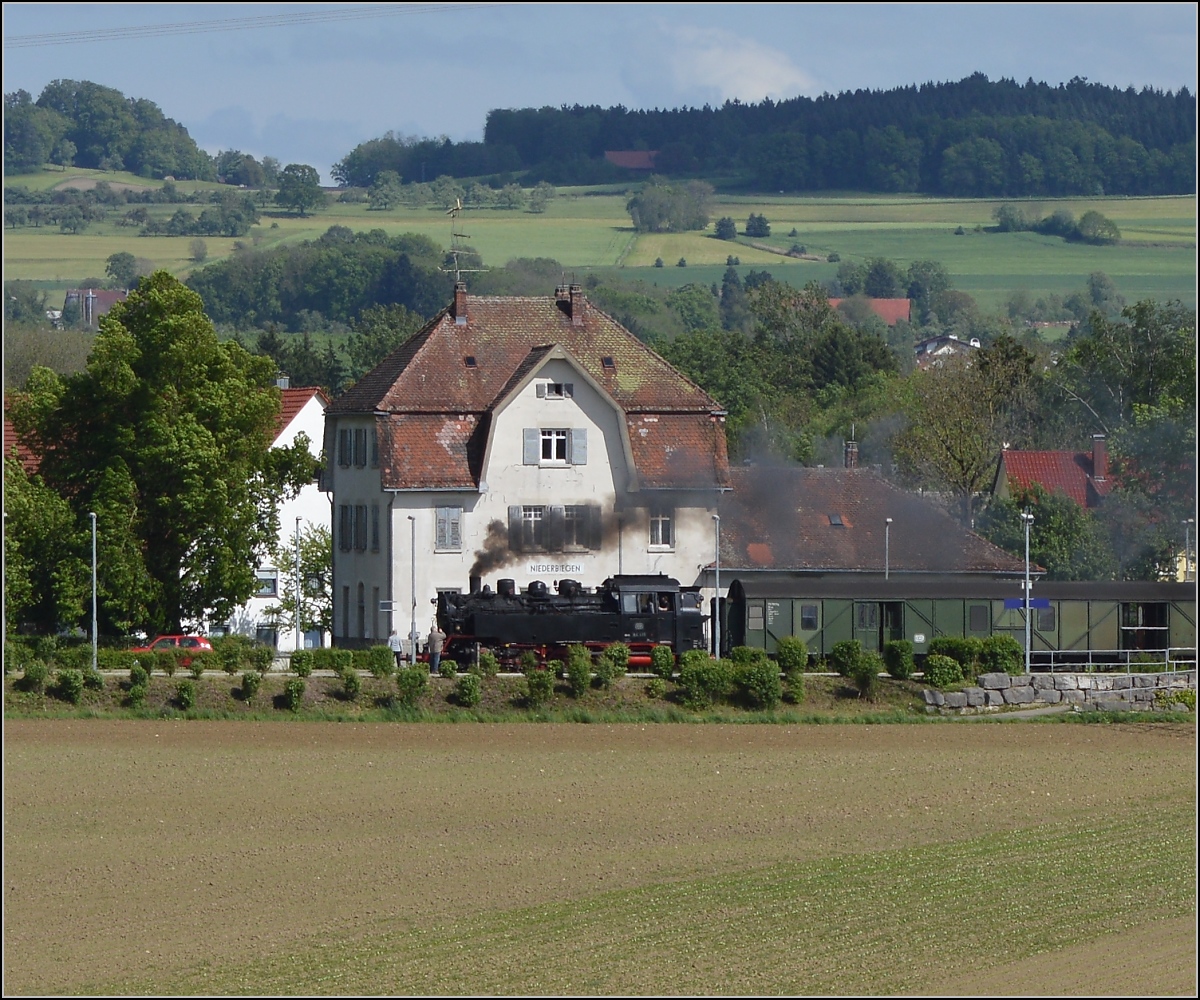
(524, 438)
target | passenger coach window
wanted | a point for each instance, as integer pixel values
(1045, 620)
(808, 617)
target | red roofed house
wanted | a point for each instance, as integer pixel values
(302, 411)
(93, 302)
(1080, 475)
(891, 311)
(528, 438)
(631, 159)
(14, 446)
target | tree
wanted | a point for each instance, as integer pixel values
(726, 229)
(316, 581)
(1065, 539)
(299, 188)
(695, 306)
(377, 332)
(757, 226)
(883, 279)
(63, 154)
(384, 194)
(122, 268)
(167, 436)
(198, 250)
(663, 207)
(1098, 229)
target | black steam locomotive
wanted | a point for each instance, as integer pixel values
(640, 611)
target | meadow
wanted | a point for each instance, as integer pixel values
(166, 857)
(589, 230)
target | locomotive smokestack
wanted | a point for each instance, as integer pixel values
(476, 584)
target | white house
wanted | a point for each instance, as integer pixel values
(527, 438)
(302, 412)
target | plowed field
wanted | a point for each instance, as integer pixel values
(236, 857)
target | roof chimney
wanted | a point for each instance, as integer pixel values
(851, 454)
(282, 381)
(1099, 458)
(460, 303)
(578, 304)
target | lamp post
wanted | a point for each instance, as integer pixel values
(412, 636)
(299, 624)
(887, 546)
(1027, 518)
(92, 515)
(717, 588)
(1187, 549)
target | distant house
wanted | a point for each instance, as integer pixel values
(891, 311)
(631, 159)
(13, 446)
(935, 351)
(301, 411)
(1080, 475)
(93, 302)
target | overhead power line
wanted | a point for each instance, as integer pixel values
(94, 35)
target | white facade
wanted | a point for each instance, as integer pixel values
(310, 507)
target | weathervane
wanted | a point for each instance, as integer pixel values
(458, 245)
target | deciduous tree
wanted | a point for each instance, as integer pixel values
(299, 188)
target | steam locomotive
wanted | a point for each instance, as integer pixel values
(640, 611)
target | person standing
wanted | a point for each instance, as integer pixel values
(436, 641)
(396, 645)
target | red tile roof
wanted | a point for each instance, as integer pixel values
(28, 460)
(891, 311)
(781, 518)
(294, 400)
(440, 408)
(631, 159)
(1066, 472)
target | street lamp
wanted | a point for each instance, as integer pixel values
(1187, 549)
(887, 545)
(412, 636)
(299, 627)
(1027, 518)
(92, 515)
(717, 587)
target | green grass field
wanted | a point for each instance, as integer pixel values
(591, 231)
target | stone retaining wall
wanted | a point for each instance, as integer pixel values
(1107, 692)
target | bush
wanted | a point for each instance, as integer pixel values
(93, 680)
(866, 675)
(942, 671)
(197, 667)
(539, 686)
(845, 656)
(381, 661)
(185, 694)
(138, 676)
(76, 657)
(792, 654)
(489, 666)
(230, 652)
(293, 694)
(1002, 654)
(662, 662)
(656, 688)
(964, 650)
(250, 682)
(704, 682)
(612, 663)
(468, 692)
(579, 670)
(137, 694)
(529, 661)
(34, 678)
(69, 686)
(898, 657)
(341, 660)
(351, 684)
(302, 662)
(16, 653)
(117, 660)
(794, 686)
(164, 661)
(757, 682)
(261, 657)
(448, 669)
(360, 659)
(411, 683)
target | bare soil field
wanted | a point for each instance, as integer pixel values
(165, 856)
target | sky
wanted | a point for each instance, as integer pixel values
(307, 83)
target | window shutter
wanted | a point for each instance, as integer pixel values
(442, 537)
(541, 390)
(344, 444)
(568, 390)
(556, 523)
(455, 531)
(595, 524)
(578, 454)
(514, 528)
(532, 452)
(374, 448)
(360, 447)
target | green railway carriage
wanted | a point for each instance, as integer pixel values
(1070, 622)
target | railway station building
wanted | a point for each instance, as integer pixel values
(515, 438)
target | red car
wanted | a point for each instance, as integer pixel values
(197, 642)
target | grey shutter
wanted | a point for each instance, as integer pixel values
(578, 453)
(568, 390)
(514, 528)
(345, 439)
(555, 527)
(442, 534)
(532, 452)
(541, 390)
(596, 528)
(455, 527)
